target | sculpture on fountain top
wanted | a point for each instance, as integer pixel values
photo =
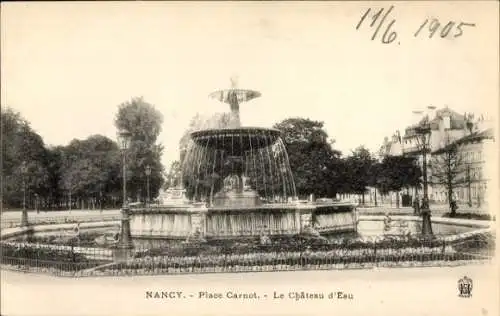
(176, 194)
(233, 183)
(234, 97)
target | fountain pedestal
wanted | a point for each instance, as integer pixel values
(175, 195)
(304, 216)
(198, 219)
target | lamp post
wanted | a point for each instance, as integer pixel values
(148, 173)
(423, 132)
(469, 186)
(125, 240)
(24, 216)
(36, 204)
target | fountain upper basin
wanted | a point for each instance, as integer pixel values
(236, 140)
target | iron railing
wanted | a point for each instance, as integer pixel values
(232, 256)
(50, 220)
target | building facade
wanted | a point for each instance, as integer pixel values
(473, 139)
(468, 177)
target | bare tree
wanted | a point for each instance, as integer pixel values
(448, 168)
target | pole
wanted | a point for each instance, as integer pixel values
(124, 245)
(426, 212)
(147, 179)
(124, 181)
(424, 166)
(24, 194)
(479, 191)
(24, 215)
(469, 193)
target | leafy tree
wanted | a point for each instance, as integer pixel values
(359, 169)
(394, 173)
(399, 172)
(173, 174)
(144, 122)
(315, 164)
(90, 169)
(20, 144)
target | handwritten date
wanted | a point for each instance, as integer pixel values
(382, 22)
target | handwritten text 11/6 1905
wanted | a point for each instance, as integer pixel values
(429, 27)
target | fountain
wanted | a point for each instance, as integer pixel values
(238, 180)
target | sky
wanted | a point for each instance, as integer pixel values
(67, 66)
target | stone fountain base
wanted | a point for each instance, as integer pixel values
(185, 221)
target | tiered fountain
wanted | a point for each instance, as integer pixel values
(239, 184)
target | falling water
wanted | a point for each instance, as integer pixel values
(215, 155)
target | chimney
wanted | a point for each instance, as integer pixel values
(446, 121)
(431, 112)
(469, 124)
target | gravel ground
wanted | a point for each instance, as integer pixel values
(388, 291)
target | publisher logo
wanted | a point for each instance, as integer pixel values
(465, 287)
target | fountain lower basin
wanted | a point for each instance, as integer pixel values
(181, 222)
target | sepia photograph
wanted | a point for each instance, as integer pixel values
(249, 158)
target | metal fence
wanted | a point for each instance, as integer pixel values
(50, 220)
(54, 259)
(237, 256)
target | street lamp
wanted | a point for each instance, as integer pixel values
(37, 207)
(125, 241)
(148, 173)
(423, 132)
(24, 216)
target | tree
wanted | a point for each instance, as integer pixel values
(316, 166)
(394, 173)
(398, 172)
(359, 168)
(377, 178)
(144, 122)
(173, 174)
(448, 168)
(21, 144)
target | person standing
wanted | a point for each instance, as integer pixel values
(416, 206)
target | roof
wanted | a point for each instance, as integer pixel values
(457, 121)
(476, 136)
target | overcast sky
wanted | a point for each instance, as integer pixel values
(66, 66)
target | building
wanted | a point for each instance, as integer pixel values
(446, 125)
(467, 178)
(448, 128)
(393, 147)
